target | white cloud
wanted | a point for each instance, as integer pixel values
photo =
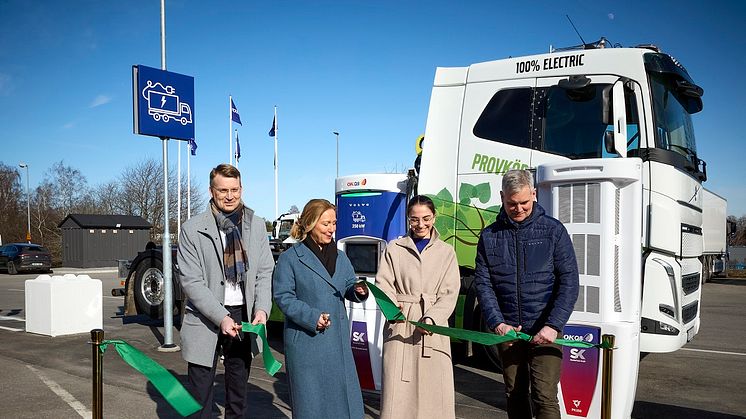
(100, 100)
(610, 16)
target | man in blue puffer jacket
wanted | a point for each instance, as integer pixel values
(527, 280)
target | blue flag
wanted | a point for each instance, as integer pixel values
(238, 148)
(192, 146)
(234, 114)
(274, 126)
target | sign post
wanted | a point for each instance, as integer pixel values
(164, 107)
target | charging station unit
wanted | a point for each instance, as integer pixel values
(371, 210)
(588, 199)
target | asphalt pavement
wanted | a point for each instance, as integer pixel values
(46, 377)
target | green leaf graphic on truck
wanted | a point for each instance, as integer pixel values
(460, 223)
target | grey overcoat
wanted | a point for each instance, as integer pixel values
(200, 258)
(321, 371)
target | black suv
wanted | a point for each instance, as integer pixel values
(16, 257)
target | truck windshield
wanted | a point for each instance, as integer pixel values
(673, 124)
(285, 226)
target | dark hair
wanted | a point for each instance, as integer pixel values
(420, 200)
(225, 170)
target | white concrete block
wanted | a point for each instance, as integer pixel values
(63, 305)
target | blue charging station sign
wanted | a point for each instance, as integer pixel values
(374, 214)
(163, 103)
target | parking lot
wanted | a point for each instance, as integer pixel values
(50, 377)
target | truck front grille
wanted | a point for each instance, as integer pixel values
(689, 312)
(690, 283)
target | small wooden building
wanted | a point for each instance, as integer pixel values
(90, 241)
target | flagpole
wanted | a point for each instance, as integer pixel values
(189, 183)
(230, 129)
(277, 212)
(178, 189)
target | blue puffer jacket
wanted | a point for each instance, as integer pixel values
(526, 274)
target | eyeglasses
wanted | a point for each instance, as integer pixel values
(224, 192)
(424, 220)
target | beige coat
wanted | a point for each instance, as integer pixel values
(417, 369)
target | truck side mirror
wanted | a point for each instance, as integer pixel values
(620, 119)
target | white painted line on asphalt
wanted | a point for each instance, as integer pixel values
(64, 395)
(113, 298)
(12, 329)
(713, 352)
(20, 319)
(13, 289)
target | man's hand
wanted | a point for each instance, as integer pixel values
(502, 329)
(229, 327)
(260, 317)
(545, 335)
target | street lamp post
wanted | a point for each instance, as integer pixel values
(337, 134)
(28, 204)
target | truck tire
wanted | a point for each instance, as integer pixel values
(12, 268)
(149, 288)
(706, 269)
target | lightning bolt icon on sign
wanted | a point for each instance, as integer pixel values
(163, 101)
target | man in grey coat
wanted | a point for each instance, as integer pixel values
(225, 270)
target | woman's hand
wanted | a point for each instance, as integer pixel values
(425, 320)
(324, 322)
(361, 289)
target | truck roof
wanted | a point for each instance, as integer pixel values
(622, 61)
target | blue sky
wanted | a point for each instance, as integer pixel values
(362, 68)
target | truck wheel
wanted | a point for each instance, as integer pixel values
(12, 268)
(157, 116)
(488, 352)
(706, 269)
(165, 118)
(149, 288)
(183, 120)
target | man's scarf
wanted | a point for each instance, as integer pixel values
(234, 256)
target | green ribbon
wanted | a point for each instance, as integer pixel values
(271, 365)
(166, 384)
(392, 313)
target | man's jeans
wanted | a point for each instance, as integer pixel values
(534, 370)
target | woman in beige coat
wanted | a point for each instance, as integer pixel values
(420, 274)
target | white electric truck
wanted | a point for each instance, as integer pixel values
(610, 135)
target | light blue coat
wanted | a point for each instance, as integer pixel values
(321, 371)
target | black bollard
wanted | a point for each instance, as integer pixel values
(97, 336)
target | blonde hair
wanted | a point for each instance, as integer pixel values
(309, 217)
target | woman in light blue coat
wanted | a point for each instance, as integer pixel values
(310, 282)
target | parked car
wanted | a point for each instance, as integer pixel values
(17, 257)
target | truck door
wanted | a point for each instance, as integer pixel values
(495, 137)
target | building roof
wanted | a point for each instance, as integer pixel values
(104, 221)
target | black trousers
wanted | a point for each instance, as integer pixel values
(237, 361)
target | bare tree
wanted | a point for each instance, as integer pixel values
(141, 193)
(12, 205)
(70, 188)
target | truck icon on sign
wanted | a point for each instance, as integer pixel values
(358, 217)
(165, 105)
